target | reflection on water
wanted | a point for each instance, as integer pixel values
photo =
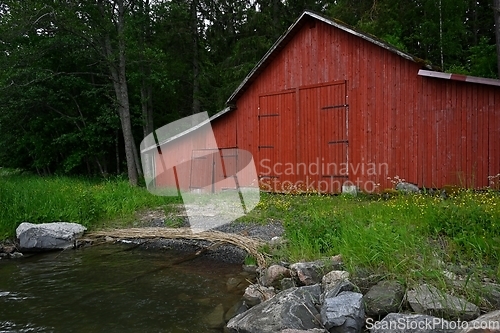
(108, 289)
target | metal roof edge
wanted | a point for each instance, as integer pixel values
(459, 77)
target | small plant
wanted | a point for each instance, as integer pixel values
(494, 182)
(250, 261)
(396, 180)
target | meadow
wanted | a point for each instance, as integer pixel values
(94, 203)
(408, 237)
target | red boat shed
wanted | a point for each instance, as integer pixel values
(329, 106)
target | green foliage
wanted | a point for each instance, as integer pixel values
(93, 203)
(482, 59)
(457, 32)
(401, 236)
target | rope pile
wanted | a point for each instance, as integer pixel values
(250, 245)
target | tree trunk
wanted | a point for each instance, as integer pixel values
(146, 88)
(118, 74)
(137, 160)
(146, 103)
(196, 107)
(496, 12)
(117, 152)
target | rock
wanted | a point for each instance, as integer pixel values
(409, 323)
(487, 323)
(293, 308)
(8, 249)
(429, 300)
(331, 279)
(365, 281)
(344, 313)
(83, 242)
(341, 286)
(235, 310)
(274, 274)
(48, 236)
(309, 273)
(16, 255)
(276, 241)
(216, 318)
(407, 187)
(234, 283)
(255, 294)
(287, 283)
(383, 298)
(313, 330)
(337, 261)
(109, 239)
(491, 292)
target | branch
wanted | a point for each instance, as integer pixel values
(74, 119)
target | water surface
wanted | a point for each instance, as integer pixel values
(110, 289)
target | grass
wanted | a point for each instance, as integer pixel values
(413, 238)
(93, 203)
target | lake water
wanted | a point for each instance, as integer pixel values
(107, 288)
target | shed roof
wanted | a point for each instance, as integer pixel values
(293, 29)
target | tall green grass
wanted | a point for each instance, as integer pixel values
(406, 235)
(93, 203)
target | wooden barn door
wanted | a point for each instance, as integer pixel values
(324, 141)
(213, 170)
(202, 173)
(277, 151)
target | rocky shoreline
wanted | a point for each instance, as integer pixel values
(321, 296)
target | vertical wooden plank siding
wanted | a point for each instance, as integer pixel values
(431, 132)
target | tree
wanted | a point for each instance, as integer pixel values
(102, 28)
(496, 13)
(53, 116)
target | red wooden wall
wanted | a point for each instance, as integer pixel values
(330, 106)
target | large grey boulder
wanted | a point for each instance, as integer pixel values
(344, 313)
(426, 299)
(409, 323)
(48, 236)
(383, 298)
(293, 308)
